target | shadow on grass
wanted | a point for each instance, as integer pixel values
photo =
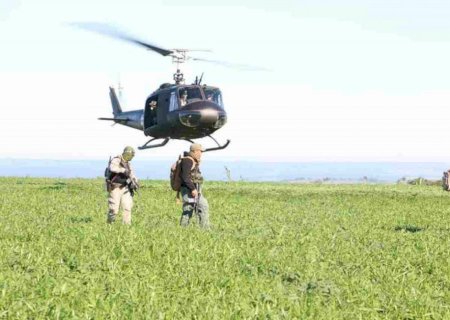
(408, 228)
(80, 219)
(56, 186)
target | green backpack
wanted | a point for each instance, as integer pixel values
(175, 173)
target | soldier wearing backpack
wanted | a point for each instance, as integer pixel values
(191, 187)
(446, 180)
(121, 183)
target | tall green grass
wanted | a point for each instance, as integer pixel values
(275, 251)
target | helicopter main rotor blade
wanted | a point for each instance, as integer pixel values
(111, 31)
(232, 65)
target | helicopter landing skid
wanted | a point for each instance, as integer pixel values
(164, 142)
(147, 146)
(220, 147)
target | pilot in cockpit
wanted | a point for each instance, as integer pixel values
(183, 98)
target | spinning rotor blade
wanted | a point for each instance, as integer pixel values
(178, 55)
(111, 31)
(232, 65)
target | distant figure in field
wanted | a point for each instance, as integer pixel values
(446, 180)
(121, 183)
(191, 188)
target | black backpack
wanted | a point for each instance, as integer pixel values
(108, 172)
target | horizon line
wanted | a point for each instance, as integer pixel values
(233, 159)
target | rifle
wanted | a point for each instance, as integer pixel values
(196, 199)
(131, 183)
(132, 186)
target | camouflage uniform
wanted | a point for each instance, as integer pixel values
(119, 193)
(193, 180)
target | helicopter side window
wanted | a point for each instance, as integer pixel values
(219, 100)
(173, 105)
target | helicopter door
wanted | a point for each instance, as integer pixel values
(150, 115)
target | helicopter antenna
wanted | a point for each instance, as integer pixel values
(119, 89)
(200, 81)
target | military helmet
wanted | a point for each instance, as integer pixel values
(128, 153)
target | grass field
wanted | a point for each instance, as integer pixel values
(276, 251)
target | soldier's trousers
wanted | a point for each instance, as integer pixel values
(189, 206)
(120, 197)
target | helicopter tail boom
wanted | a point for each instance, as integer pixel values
(131, 119)
(114, 102)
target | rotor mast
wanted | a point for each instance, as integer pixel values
(178, 57)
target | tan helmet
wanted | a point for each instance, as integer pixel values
(128, 153)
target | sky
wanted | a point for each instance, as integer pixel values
(349, 80)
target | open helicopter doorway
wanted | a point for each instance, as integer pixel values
(150, 113)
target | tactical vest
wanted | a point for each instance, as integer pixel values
(196, 175)
(120, 179)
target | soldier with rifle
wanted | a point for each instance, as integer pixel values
(121, 184)
(191, 188)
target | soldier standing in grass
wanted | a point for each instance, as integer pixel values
(191, 188)
(121, 184)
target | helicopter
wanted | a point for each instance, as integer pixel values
(174, 110)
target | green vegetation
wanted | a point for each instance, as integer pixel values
(276, 251)
(421, 181)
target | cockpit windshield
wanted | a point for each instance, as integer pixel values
(188, 95)
(214, 95)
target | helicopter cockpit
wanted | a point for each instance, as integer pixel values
(187, 94)
(214, 95)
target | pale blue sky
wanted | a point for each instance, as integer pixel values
(351, 80)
